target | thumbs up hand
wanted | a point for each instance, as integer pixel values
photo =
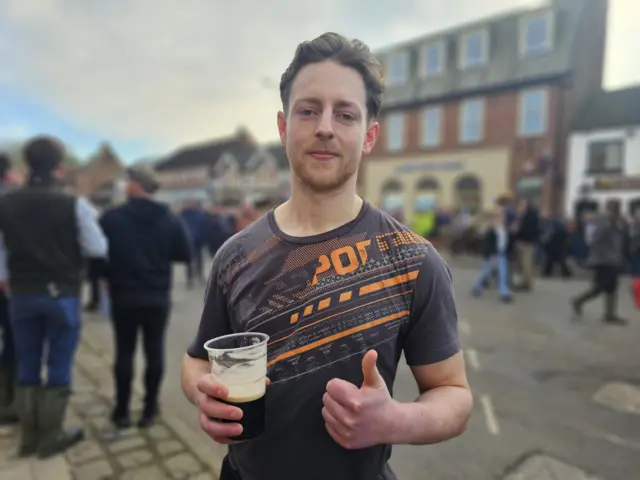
(359, 417)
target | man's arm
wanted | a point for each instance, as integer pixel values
(193, 370)
(90, 236)
(443, 408)
(180, 242)
(433, 352)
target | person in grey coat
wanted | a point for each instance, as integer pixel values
(606, 257)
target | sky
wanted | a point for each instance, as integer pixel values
(151, 75)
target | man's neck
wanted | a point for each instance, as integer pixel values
(307, 213)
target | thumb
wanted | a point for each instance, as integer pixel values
(372, 377)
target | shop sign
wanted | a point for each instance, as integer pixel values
(429, 167)
(616, 183)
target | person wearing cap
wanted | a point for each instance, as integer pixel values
(47, 232)
(145, 238)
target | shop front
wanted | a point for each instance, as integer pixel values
(469, 180)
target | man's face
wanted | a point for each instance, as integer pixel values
(326, 131)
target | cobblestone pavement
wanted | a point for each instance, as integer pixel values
(157, 453)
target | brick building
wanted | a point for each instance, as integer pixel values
(484, 108)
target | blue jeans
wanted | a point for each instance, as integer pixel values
(40, 319)
(503, 275)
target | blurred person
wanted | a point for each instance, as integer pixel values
(329, 387)
(634, 254)
(197, 221)
(145, 239)
(8, 413)
(47, 231)
(496, 246)
(606, 242)
(554, 239)
(527, 234)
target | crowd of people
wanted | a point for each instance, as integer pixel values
(52, 239)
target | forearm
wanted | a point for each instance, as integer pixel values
(435, 416)
(192, 370)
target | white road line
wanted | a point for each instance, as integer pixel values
(464, 327)
(489, 415)
(472, 358)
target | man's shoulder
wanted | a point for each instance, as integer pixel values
(246, 240)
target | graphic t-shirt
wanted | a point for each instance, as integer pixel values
(324, 301)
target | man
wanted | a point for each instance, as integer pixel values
(7, 354)
(528, 232)
(342, 289)
(46, 232)
(606, 242)
(144, 239)
(197, 221)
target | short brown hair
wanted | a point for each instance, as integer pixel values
(350, 53)
(43, 154)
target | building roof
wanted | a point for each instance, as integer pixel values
(280, 154)
(505, 67)
(610, 109)
(207, 154)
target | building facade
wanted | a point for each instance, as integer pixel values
(604, 153)
(226, 172)
(486, 108)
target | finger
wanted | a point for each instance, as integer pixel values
(208, 385)
(335, 424)
(215, 409)
(372, 377)
(219, 430)
(335, 434)
(337, 411)
(345, 393)
(268, 381)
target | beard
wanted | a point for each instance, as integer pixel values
(325, 179)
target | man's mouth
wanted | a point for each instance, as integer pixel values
(322, 154)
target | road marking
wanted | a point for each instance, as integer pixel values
(489, 415)
(472, 358)
(464, 327)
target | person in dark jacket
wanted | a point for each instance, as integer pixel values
(526, 238)
(7, 354)
(47, 232)
(145, 239)
(197, 221)
(606, 240)
(496, 247)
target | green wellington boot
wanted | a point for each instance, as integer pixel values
(26, 402)
(52, 406)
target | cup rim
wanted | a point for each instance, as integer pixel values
(263, 336)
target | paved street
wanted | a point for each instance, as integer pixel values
(554, 398)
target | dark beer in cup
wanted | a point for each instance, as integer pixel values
(239, 362)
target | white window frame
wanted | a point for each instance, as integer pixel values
(463, 61)
(424, 59)
(527, 130)
(526, 50)
(393, 144)
(429, 138)
(463, 136)
(393, 78)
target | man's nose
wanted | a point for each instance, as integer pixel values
(324, 128)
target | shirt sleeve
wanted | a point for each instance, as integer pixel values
(90, 235)
(433, 331)
(215, 319)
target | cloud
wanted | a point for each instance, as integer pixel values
(165, 72)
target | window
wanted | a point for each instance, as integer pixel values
(474, 49)
(533, 112)
(395, 132)
(471, 121)
(606, 157)
(432, 59)
(430, 124)
(536, 33)
(398, 68)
